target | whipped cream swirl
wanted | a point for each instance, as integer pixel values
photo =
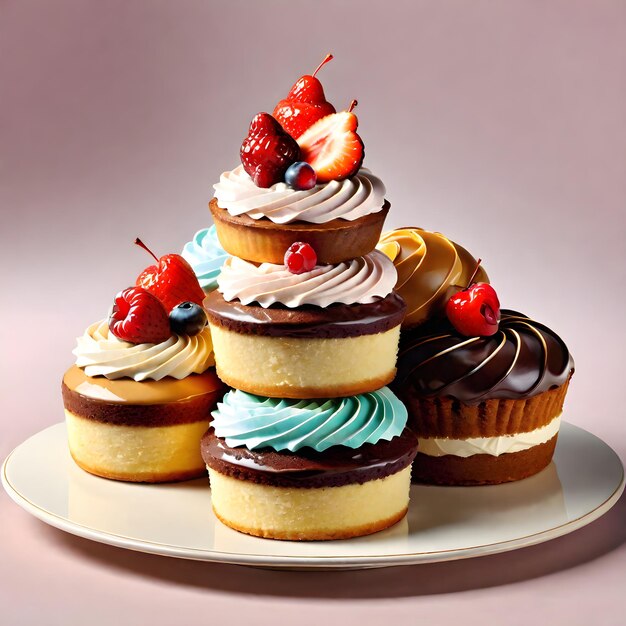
(347, 199)
(206, 256)
(100, 353)
(360, 281)
(243, 419)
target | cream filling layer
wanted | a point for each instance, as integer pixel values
(494, 446)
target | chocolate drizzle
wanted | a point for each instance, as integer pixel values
(336, 320)
(524, 358)
(335, 467)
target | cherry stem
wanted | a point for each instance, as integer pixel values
(141, 244)
(328, 57)
(352, 105)
(471, 280)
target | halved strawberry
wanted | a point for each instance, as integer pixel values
(332, 147)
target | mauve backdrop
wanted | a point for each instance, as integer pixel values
(501, 124)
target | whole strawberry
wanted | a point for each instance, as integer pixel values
(172, 280)
(268, 151)
(304, 104)
(139, 317)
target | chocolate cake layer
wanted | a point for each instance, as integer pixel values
(482, 469)
(194, 409)
(307, 468)
(307, 322)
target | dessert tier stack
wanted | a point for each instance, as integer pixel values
(310, 443)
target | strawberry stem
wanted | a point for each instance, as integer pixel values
(141, 244)
(352, 105)
(471, 280)
(327, 58)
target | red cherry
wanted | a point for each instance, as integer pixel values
(332, 146)
(300, 257)
(139, 317)
(305, 104)
(267, 151)
(172, 281)
(475, 311)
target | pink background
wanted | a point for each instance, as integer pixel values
(501, 124)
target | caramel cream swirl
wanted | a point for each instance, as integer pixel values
(100, 353)
(360, 281)
(347, 199)
(430, 269)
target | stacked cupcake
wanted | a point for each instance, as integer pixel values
(310, 443)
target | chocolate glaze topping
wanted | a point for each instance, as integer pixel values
(524, 358)
(307, 468)
(336, 320)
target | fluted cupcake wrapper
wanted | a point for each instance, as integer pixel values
(450, 418)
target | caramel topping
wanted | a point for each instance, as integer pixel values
(430, 269)
(126, 390)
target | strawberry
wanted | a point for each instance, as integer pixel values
(139, 317)
(332, 147)
(267, 151)
(304, 104)
(172, 281)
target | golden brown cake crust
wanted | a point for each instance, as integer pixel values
(318, 535)
(263, 241)
(482, 469)
(449, 418)
(307, 393)
(143, 477)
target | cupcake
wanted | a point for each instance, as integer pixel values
(309, 469)
(340, 220)
(327, 332)
(485, 407)
(139, 396)
(206, 257)
(312, 190)
(430, 269)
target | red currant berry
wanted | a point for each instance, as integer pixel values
(300, 257)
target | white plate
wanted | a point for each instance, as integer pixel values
(585, 479)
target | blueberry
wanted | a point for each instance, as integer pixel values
(187, 318)
(300, 176)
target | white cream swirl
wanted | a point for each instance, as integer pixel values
(100, 353)
(347, 199)
(360, 281)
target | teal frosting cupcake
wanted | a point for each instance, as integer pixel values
(243, 419)
(206, 256)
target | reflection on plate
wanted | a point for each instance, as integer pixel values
(585, 479)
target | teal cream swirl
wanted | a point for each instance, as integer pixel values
(243, 419)
(206, 256)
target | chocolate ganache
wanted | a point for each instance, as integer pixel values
(522, 359)
(336, 320)
(306, 468)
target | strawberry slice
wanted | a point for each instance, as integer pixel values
(332, 147)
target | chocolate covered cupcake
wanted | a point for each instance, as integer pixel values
(486, 409)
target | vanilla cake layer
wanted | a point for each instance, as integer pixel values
(310, 513)
(287, 367)
(137, 453)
